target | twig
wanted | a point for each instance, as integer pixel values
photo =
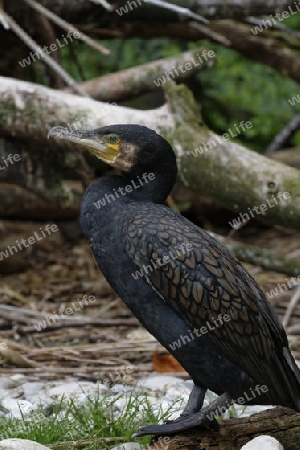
(24, 315)
(217, 37)
(178, 9)
(104, 4)
(254, 21)
(47, 59)
(3, 20)
(67, 26)
(284, 135)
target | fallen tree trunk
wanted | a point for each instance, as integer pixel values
(29, 110)
(32, 183)
(235, 177)
(281, 423)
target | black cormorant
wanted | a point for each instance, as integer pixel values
(183, 286)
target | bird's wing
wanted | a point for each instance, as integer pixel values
(200, 280)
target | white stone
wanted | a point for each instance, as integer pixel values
(177, 392)
(248, 410)
(18, 377)
(77, 390)
(17, 408)
(263, 443)
(8, 383)
(157, 383)
(71, 389)
(32, 389)
(164, 406)
(119, 388)
(139, 334)
(128, 446)
(21, 444)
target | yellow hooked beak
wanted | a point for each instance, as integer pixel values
(96, 144)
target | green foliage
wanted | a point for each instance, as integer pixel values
(235, 89)
(123, 55)
(90, 426)
(238, 89)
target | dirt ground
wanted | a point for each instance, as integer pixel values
(89, 337)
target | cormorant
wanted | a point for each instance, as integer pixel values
(183, 286)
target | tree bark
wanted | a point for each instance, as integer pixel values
(32, 182)
(232, 175)
(281, 423)
(81, 10)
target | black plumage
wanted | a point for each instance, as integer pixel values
(176, 278)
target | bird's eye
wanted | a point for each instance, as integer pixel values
(113, 138)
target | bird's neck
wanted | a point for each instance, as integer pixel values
(150, 185)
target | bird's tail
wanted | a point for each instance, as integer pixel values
(293, 378)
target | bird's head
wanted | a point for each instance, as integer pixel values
(125, 147)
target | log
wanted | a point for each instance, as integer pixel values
(260, 257)
(32, 182)
(232, 175)
(20, 202)
(290, 156)
(28, 111)
(281, 423)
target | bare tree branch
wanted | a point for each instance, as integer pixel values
(67, 26)
(284, 135)
(36, 48)
(132, 82)
(281, 423)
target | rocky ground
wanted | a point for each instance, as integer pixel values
(63, 331)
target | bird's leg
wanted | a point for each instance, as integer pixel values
(194, 403)
(203, 418)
